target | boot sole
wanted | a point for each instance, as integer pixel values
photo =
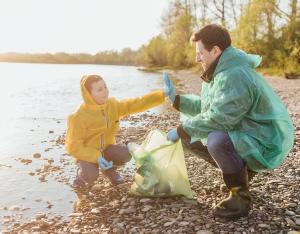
(231, 217)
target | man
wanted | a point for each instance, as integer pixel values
(238, 124)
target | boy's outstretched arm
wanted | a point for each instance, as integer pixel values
(140, 104)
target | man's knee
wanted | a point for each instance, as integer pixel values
(216, 142)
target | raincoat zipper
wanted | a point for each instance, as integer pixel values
(102, 136)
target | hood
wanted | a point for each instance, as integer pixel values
(232, 57)
(88, 101)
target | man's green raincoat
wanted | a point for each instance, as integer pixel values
(239, 101)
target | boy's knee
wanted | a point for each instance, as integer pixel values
(126, 157)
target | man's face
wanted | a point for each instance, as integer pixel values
(99, 92)
(205, 57)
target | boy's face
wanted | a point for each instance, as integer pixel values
(205, 57)
(99, 92)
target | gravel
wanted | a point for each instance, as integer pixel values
(106, 209)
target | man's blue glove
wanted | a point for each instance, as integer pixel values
(172, 135)
(104, 165)
(170, 89)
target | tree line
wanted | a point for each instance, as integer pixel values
(267, 27)
(126, 57)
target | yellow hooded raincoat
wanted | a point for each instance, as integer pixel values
(93, 127)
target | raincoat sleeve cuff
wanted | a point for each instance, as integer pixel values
(182, 134)
(176, 103)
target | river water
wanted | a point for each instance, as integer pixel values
(35, 100)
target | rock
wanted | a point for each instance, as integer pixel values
(123, 199)
(297, 221)
(117, 230)
(167, 224)
(36, 228)
(40, 216)
(290, 213)
(26, 161)
(95, 211)
(7, 219)
(75, 231)
(51, 131)
(292, 205)
(223, 188)
(49, 205)
(183, 223)
(44, 224)
(139, 217)
(6, 231)
(190, 201)
(46, 167)
(75, 214)
(50, 161)
(97, 187)
(144, 200)
(204, 232)
(147, 208)
(37, 155)
(23, 209)
(273, 181)
(42, 178)
(14, 208)
(127, 211)
(289, 221)
(120, 226)
(263, 225)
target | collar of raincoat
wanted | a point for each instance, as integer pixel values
(207, 75)
(232, 57)
(88, 101)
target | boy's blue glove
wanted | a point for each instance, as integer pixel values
(170, 89)
(172, 135)
(104, 165)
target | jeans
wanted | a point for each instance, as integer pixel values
(219, 152)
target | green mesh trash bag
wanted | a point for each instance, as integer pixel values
(160, 168)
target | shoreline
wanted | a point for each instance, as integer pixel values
(106, 209)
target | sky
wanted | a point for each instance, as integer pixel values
(78, 26)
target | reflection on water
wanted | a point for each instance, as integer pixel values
(35, 100)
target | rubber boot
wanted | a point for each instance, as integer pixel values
(251, 174)
(238, 203)
(113, 176)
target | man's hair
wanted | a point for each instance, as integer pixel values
(213, 35)
(90, 80)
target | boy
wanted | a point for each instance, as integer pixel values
(92, 128)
